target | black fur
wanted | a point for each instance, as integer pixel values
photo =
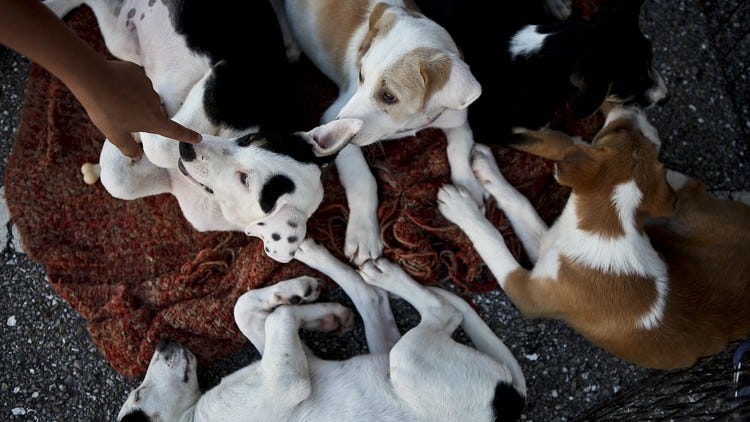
(508, 403)
(276, 186)
(291, 145)
(607, 53)
(136, 416)
(251, 84)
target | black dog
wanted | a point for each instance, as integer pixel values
(530, 63)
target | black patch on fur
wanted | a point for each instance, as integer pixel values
(276, 186)
(276, 237)
(291, 145)
(292, 224)
(136, 416)
(508, 403)
(609, 53)
(187, 152)
(291, 239)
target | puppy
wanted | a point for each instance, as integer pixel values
(253, 172)
(657, 277)
(398, 72)
(531, 65)
(424, 376)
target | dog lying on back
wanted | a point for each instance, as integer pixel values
(425, 376)
(254, 171)
(657, 277)
(531, 65)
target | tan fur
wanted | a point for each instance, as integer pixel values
(414, 79)
(704, 241)
(344, 17)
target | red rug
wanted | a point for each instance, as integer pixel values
(138, 272)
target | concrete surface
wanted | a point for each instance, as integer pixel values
(52, 372)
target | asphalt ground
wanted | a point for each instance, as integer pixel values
(51, 371)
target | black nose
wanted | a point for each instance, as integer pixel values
(187, 152)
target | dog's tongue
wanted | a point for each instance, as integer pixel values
(282, 230)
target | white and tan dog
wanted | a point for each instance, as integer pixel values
(657, 278)
(238, 178)
(425, 376)
(398, 72)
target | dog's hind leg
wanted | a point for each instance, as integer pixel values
(371, 302)
(284, 364)
(253, 307)
(529, 227)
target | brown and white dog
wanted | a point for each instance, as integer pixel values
(398, 72)
(657, 277)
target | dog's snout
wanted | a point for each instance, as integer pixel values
(163, 343)
(187, 151)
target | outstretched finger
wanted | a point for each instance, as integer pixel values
(173, 130)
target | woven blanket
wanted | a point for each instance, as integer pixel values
(138, 272)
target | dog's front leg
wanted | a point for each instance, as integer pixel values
(362, 230)
(284, 363)
(371, 302)
(533, 297)
(460, 142)
(529, 227)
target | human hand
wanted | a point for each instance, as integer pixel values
(120, 100)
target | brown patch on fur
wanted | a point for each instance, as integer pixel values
(343, 17)
(414, 79)
(379, 25)
(705, 245)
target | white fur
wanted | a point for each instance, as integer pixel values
(445, 110)
(424, 376)
(526, 42)
(629, 254)
(142, 32)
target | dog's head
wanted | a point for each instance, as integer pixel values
(410, 72)
(618, 62)
(625, 150)
(265, 184)
(168, 390)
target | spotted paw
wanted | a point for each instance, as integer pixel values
(295, 291)
(362, 241)
(485, 167)
(282, 232)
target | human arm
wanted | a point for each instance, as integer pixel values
(117, 95)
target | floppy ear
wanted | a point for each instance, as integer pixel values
(454, 87)
(546, 143)
(333, 136)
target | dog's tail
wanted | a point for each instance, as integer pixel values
(62, 7)
(484, 338)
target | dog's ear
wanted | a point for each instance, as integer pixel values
(333, 136)
(547, 143)
(451, 81)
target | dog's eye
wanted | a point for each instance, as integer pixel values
(388, 98)
(243, 177)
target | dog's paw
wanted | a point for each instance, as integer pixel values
(561, 9)
(485, 167)
(333, 318)
(362, 241)
(91, 173)
(457, 205)
(381, 273)
(282, 232)
(298, 290)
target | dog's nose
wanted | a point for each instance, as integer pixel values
(163, 343)
(187, 152)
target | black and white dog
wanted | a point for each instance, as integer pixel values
(424, 376)
(221, 70)
(530, 63)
